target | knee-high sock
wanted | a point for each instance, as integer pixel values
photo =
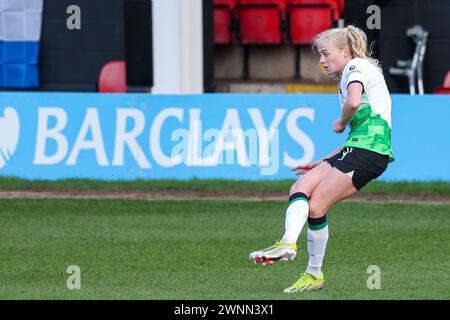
(317, 242)
(296, 215)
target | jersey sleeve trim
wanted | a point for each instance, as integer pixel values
(363, 90)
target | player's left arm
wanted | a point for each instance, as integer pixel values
(354, 96)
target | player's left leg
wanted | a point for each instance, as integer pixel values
(296, 217)
(335, 187)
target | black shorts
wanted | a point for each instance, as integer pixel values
(360, 164)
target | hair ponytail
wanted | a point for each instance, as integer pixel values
(353, 38)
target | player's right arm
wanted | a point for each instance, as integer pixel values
(305, 168)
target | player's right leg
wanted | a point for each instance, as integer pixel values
(296, 216)
(333, 188)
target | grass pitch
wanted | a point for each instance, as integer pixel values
(132, 249)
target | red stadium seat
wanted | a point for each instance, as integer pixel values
(261, 21)
(223, 17)
(341, 6)
(336, 6)
(310, 17)
(113, 77)
(306, 22)
(445, 88)
(442, 90)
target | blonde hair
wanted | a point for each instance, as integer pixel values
(351, 37)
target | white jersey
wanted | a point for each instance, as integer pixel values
(370, 127)
(374, 86)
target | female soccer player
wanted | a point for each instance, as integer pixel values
(366, 109)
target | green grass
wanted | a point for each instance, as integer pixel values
(132, 249)
(437, 188)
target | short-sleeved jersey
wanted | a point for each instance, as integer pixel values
(370, 127)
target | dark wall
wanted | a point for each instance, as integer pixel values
(71, 60)
(397, 17)
(355, 14)
(208, 45)
(138, 44)
(391, 43)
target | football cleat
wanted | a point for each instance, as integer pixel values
(278, 251)
(306, 282)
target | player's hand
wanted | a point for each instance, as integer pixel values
(305, 168)
(337, 126)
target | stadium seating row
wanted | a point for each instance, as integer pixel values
(273, 21)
